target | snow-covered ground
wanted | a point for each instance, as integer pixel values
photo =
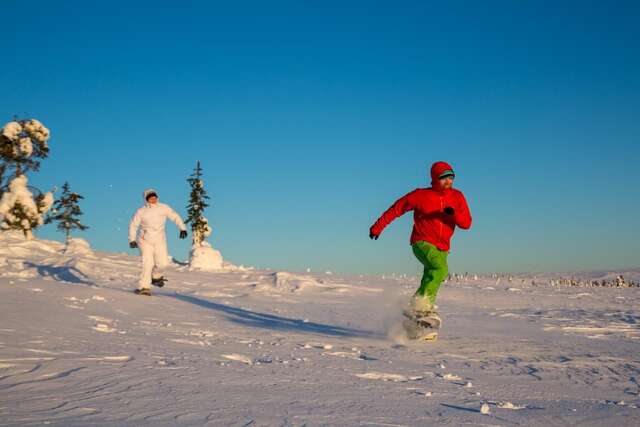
(254, 348)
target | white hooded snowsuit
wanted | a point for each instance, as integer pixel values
(152, 241)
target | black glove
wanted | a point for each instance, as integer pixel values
(133, 245)
(373, 235)
(449, 210)
(183, 234)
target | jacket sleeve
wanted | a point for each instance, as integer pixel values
(173, 216)
(134, 224)
(462, 215)
(403, 205)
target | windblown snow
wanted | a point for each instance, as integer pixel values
(245, 347)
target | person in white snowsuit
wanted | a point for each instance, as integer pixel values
(152, 240)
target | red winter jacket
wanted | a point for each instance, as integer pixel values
(430, 223)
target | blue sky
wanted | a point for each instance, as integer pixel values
(311, 118)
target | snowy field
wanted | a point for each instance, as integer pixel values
(258, 348)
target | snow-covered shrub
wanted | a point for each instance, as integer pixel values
(20, 210)
(203, 257)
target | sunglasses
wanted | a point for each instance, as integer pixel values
(452, 177)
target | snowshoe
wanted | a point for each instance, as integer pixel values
(159, 282)
(427, 319)
(146, 292)
(421, 324)
(415, 331)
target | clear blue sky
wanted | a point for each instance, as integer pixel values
(311, 118)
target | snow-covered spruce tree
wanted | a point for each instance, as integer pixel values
(195, 209)
(202, 256)
(66, 212)
(20, 210)
(22, 144)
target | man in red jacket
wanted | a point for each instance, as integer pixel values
(437, 211)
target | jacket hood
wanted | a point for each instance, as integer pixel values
(436, 170)
(146, 192)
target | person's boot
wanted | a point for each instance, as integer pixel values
(143, 291)
(159, 282)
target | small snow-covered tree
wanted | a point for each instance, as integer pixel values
(22, 144)
(20, 210)
(202, 256)
(66, 212)
(200, 228)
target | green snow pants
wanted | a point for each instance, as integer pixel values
(435, 269)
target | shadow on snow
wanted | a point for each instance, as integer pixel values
(270, 321)
(60, 273)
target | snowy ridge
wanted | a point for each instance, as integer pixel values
(77, 347)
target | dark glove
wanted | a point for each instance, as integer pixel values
(183, 234)
(133, 245)
(449, 210)
(373, 235)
